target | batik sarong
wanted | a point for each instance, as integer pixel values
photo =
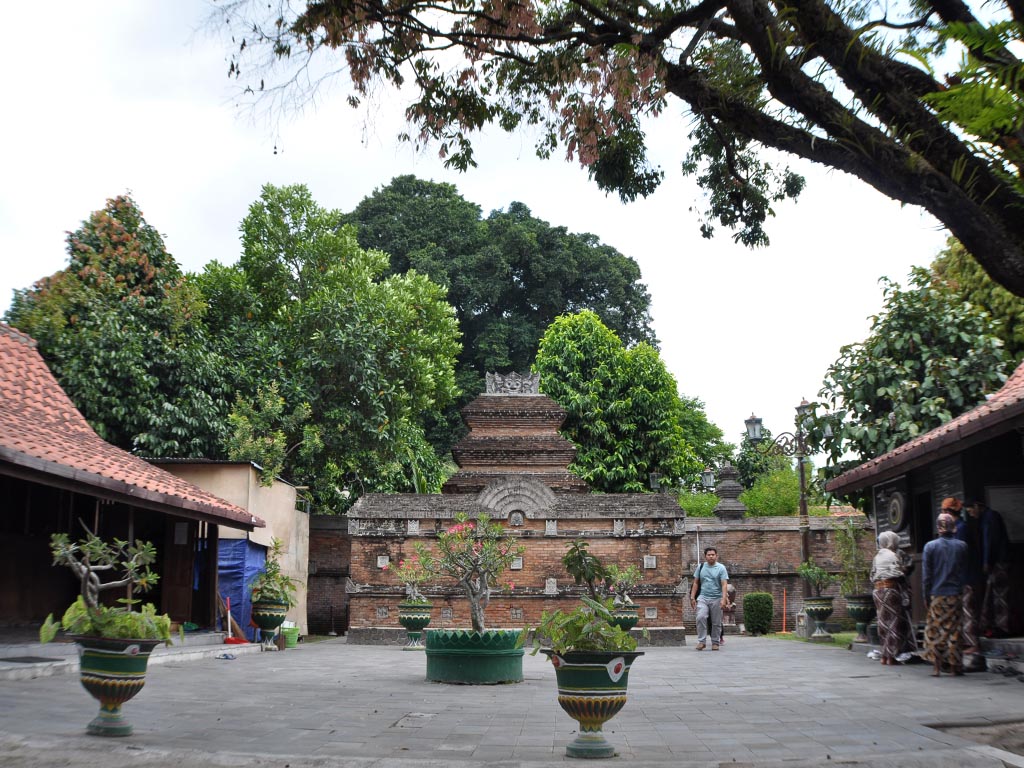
(973, 595)
(889, 607)
(943, 631)
(995, 612)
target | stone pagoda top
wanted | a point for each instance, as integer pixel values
(513, 430)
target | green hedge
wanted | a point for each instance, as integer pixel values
(758, 608)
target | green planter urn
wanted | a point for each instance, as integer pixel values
(861, 608)
(414, 618)
(268, 615)
(112, 671)
(591, 690)
(625, 616)
(474, 658)
(819, 609)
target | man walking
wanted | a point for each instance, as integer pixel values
(943, 568)
(708, 596)
(986, 604)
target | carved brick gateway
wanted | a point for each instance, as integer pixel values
(513, 467)
(547, 507)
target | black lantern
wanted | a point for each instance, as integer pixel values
(753, 429)
(707, 479)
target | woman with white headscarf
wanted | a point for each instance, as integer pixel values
(887, 573)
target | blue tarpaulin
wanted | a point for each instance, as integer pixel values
(239, 562)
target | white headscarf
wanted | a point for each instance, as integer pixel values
(886, 564)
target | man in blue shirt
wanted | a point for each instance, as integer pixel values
(943, 568)
(711, 581)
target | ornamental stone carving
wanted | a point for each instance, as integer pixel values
(513, 383)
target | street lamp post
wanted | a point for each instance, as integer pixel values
(790, 444)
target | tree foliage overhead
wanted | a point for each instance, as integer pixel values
(849, 85)
(928, 358)
(624, 412)
(337, 361)
(962, 275)
(122, 332)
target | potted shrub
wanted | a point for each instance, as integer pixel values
(854, 570)
(273, 593)
(474, 554)
(414, 610)
(592, 657)
(620, 580)
(584, 568)
(114, 641)
(819, 607)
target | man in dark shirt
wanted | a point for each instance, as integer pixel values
(943, 569)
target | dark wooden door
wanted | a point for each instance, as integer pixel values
(177, 574)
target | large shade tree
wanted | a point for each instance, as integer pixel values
(508, 276)
(337, 361)
(625, 414)
(928, 357)
(122, 331)
(852, 86)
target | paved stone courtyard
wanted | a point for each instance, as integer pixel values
(758, 702)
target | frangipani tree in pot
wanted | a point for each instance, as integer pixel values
(114, 641)
(474, 554)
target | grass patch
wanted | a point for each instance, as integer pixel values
(839, 639)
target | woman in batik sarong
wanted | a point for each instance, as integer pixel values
(943, 568)
(890, 588)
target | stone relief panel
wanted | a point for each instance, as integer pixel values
(517, 494)
(513, 383)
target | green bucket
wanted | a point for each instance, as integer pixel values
(291, 636)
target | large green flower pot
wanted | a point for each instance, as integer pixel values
(819, 609)
(112, 671)
(591, 689)
(625, 616)
(861, 608)
(414, 617)
(474, 658)
(268, 615)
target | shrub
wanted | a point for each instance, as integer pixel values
(698, 504)
(758, 609)
(773, 495)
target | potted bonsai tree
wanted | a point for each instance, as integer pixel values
(592, 657)
(273, 593)
(855, 568)
(414, 610)
(114, 641)
(620, 580)
(474, 554)
(819, 607)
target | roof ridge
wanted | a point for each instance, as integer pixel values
(9, 330)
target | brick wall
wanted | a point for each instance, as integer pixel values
(330, 550)
(761, 556)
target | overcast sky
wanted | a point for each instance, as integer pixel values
(120, 95)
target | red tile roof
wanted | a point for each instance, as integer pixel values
(993, 417)
(43, 436)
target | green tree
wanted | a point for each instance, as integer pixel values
(929, 357)
(846, 85)
(754, 461)
(122, 332)
(624, 412)
(965, 278)
(337, 361)
(508, 277)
